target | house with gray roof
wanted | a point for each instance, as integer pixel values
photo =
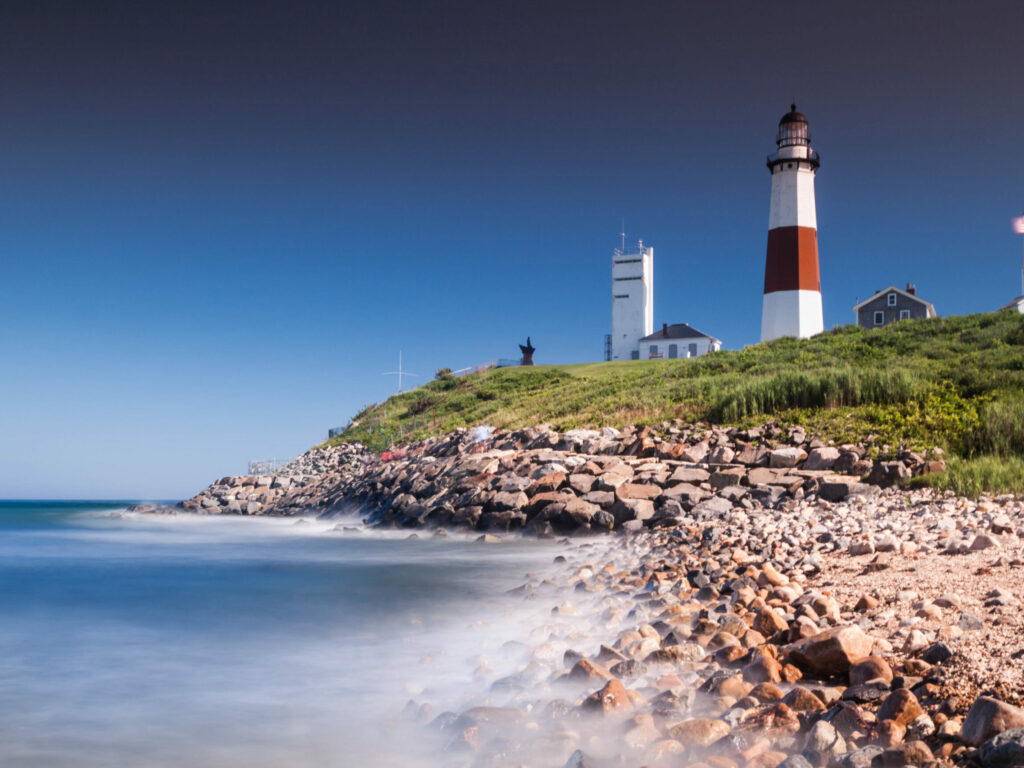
(890, 305)
(677, 340)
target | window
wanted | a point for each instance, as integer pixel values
(634, 355)
(904, 314)
(673, 351)
(654, 350)
(879, 318)
(892, 299)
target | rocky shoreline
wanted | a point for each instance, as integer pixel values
(544, 482)
(777, 602)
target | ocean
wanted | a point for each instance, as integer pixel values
(142, 640)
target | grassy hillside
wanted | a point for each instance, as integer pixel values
(953, 382)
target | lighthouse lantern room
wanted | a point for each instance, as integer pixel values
(792, 284)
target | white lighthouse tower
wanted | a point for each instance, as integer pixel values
(792, 283)
(632, 299)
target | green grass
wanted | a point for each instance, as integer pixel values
(974, 477)
(953, 382)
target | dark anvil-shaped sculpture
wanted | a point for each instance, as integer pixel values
(528, 351)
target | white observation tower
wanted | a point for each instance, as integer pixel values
(792, 283)
(632, 299)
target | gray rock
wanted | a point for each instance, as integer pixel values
(859, 758)
(785, 458)
(988, 717)
(822, 458)
(1004, 750)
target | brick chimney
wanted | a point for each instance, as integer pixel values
(664, 329)
(912, 289)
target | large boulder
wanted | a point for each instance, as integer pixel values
(1004, 750)
(988, 717)
(637, 491)
(692, 475)
(785, 458)
(830, 652)
(626, 510)
(822, 458)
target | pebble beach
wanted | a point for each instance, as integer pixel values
(728, 599)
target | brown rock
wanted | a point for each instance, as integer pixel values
(914, 753)
(763, 669)
(890, 733)
(637, 491)
(831, 652)
(768, 622)
(664, 748)
(585, 669)
(545, 484)
(866, 603)
(695, 453)
(673, 654)
(870, 668)
(799, 699)
(791, 673)
(691, 475)
(612, 698)
(767, 693)
(735, 687)
(900, 706)
(768, 759)
(723, 454)
(723, 478)
(987, 717)
(541, 500)
(699, 732)
(761, 476)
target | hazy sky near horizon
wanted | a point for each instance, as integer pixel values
(221, 221)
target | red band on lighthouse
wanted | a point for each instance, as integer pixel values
(792, 263)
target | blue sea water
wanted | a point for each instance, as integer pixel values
(143, 640)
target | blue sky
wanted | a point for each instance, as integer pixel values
(220, 223)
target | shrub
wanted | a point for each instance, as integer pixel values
(1000, 429)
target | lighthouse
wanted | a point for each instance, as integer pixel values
(792, 285)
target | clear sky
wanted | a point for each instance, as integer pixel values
(220, 222)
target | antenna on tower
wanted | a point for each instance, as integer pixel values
(399, 373)
(623, 234)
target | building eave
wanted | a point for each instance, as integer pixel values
(891, 289)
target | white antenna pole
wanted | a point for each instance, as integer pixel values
(399, 373)
(623, 233)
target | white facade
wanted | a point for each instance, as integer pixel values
(671, 349)
(791, 313)
(632, 299)
(792, 202)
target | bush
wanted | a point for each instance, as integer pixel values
(773, 394)
(1000, 429)
(974, 477)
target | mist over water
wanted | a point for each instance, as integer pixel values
(208, 641)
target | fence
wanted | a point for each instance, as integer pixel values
(266, 466)
(500, 362)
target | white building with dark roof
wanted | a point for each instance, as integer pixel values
(675, 341)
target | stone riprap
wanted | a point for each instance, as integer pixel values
(545, 482)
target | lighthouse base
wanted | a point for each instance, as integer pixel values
(791, 313)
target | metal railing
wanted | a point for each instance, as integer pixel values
(266, 466)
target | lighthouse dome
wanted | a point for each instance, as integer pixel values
(793, 116)
(793, 129)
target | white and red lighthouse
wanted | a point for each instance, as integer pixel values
(792, 284)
